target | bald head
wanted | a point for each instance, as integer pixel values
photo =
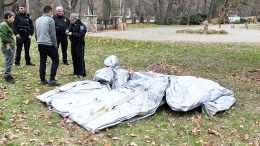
(59, 10)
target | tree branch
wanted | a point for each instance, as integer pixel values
(11, 3)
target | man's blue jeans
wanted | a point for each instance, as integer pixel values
(9, 58)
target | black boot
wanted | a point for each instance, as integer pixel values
(9, 79)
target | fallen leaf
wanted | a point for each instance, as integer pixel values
(51, 139)
(133, 144)
(244, 136)
(37, 90)
(115, 138)
(79, 142)
(132, 134)
(9, 136)
(2, 142)
(33, 140)
(23, 144)
(3, 96)
(26, 102)
(1, 115)
(195, 131)
(147, 137)
(180, 133)
(215, 132)
(129, 125)
(25, 127)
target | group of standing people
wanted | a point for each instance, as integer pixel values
(50, 32)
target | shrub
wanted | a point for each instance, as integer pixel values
(195, 18)
(243, 20)
(222, 32)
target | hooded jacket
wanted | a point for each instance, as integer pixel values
(6, 34)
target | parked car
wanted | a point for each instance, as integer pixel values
(234, 18)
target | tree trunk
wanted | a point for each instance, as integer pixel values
(189, 11)
(91, 7)
(210, 10)
(156, 13)
(73, 5)
(182, 7)
(198, 6)
(205, 6)
(161, 12)
(80, 7)
(169, 11)
(106, 12)
(66, 7)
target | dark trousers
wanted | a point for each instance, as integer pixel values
(52, 52)
(77, 53)
(20, 42)
(64, 46)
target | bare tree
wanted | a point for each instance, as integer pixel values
(3, 5)
(161, 12)
(91, 6)
(69, 6)
(169, 11)
(205, 6)
(106, 10)
(198, 6)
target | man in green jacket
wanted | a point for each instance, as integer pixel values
(7, 44)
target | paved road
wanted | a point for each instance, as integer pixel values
(168, 33)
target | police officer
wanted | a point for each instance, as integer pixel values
(76, 33)
(61, 24)
(23, 30)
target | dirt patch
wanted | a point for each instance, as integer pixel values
(164, 68)
(253, 75)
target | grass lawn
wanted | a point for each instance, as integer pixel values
(24, 120)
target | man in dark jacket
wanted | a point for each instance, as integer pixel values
(7, 44)
(61, 25)
(23, 30)
(76, 33)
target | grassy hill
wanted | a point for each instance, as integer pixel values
(24, 120)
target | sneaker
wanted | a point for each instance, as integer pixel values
(45, 82)
(53, 83)
(30, 64)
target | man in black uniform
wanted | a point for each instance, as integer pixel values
(61, 24)
(23, 30)
(76, 33)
